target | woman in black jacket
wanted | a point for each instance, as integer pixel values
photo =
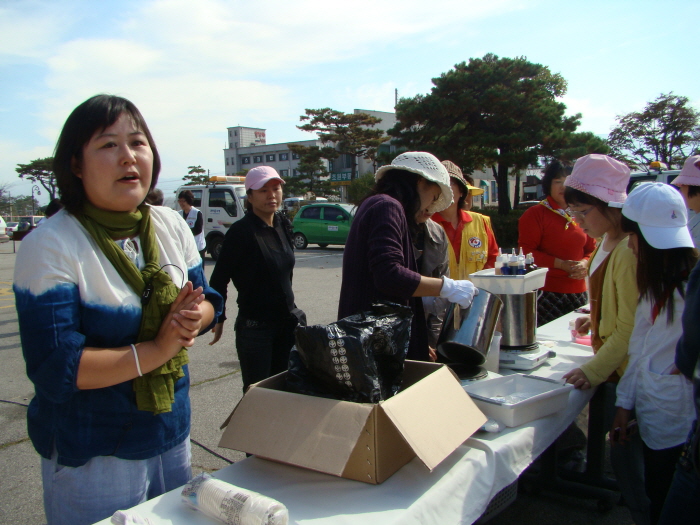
(257, 255)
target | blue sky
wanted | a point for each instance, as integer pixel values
(196, 68)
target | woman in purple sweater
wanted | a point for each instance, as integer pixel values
(379, 263)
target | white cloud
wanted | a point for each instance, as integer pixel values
(31, 28)
(195, 68)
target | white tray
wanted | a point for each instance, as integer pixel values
(509, 284)
(549, 397)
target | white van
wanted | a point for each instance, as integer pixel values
(656, 173)
(297, 202)
(222, 202)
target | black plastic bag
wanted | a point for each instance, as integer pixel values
(359, 358)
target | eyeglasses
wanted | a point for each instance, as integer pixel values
(579, 214)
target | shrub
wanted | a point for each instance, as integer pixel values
(505, 227)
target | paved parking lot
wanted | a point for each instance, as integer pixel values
(216, 388)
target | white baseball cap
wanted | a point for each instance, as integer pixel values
(660, 211)
(427, 166)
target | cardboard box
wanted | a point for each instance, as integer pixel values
(429, 418)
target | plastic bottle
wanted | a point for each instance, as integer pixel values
(498, 269)
(521, 263)
(513, 264)
(530, 265)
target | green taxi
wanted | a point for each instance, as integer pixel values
(323, 224)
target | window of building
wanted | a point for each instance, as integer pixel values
(295, 172)
(245, 160)
(232, 161)
(284, 173)
(257, 158)
(222, 199)
(295, 156)
(235, 133)
(270, 158)
(284, 156)
(494, 191)
(227, 161)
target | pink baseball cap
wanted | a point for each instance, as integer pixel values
(259, 176)
(690, 174)
(602, 177)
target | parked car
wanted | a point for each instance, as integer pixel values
(291, 205)
(10, 228)
(323, 224)
(26, 225)
(3, 234)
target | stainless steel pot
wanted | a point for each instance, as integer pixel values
(467, 340)
(518, 319)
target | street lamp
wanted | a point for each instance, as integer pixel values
(38, 192)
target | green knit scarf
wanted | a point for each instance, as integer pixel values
(155, 391)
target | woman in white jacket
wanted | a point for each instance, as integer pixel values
(662, 399)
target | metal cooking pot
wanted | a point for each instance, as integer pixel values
(518, 319)
(468, 338)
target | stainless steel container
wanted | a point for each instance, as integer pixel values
(518, 319)
(467, 340)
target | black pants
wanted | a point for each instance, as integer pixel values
(263, 348)
(659, 467)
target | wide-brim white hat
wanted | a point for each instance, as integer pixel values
(661, 214)
(427, 166)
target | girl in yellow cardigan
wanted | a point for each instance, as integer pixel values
(595, 191)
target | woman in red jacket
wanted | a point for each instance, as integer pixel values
(558, 243)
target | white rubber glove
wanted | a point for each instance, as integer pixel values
(460, 292)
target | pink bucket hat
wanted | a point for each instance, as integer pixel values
(690, 174)
(602, 177)
(259, 176)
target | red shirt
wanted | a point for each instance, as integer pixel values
(455, 236)
(542, 232)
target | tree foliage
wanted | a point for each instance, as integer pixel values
(350, 133)
(311, 168)
(17, 206)
(385, 156)
(40, 171)
(667, 130)
(196, 175)
(575, 146)
(498, 113)
(360, 187)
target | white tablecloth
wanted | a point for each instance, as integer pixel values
(457, 491)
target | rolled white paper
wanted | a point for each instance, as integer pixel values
(232, 505)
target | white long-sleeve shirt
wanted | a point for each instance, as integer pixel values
(663, 402)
